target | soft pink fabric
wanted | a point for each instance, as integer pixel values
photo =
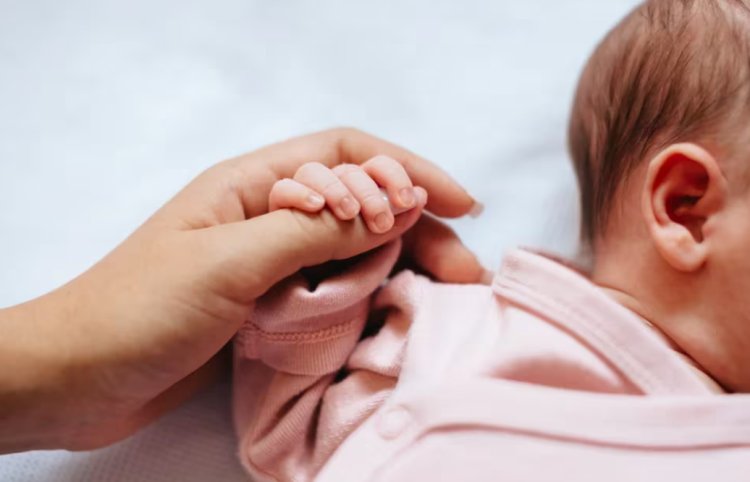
(539, 377)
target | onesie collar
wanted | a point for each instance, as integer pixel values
(563, 295)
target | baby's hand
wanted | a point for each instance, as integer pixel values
(349, 189)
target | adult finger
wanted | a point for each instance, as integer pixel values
(246, 258)
(257, 171)
(375, 209)
(437, 249)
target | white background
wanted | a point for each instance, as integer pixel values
(108, 107)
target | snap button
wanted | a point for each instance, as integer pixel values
(393, 422)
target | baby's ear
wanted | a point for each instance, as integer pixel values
(684, 189)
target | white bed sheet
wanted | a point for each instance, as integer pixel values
(108, 107)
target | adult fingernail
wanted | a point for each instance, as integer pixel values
(315, 200)
(383, 222)
(407, 196)
(349, 207)
(487, 277)
(476, 210)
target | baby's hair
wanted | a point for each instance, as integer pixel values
(671, 71)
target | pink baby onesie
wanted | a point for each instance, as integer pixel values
(539, 377)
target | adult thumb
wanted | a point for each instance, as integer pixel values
(248, 257)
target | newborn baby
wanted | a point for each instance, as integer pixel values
(548, 373)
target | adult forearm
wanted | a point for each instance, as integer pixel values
(30, 375)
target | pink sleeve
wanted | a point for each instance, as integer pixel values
(298, 388)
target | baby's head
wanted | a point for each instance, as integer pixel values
(659, 137)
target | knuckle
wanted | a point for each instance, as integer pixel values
(407, 162)
(334, 190)
(343, 138)
(343, 170)
(284, 184)
(373, 201)
(344, 132)
(382, 161)
(309, 169)
(389, 168)
(280, 189)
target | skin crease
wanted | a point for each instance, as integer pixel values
(675, 253)
(138, 333)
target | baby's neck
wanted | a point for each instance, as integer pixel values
(635, 306)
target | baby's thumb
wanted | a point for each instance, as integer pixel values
(249, 257)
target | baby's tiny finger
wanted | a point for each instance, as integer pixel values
(390, 174)
(288, 193)
(396, 210)
(375, 210)
(321, 179)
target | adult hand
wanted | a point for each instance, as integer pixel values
(95, 360)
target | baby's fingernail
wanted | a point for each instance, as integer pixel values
(420, 195)
(315, 200)
(349, 207)
(407, 196)
(383, 222)
(384, 195)
(476, 210)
